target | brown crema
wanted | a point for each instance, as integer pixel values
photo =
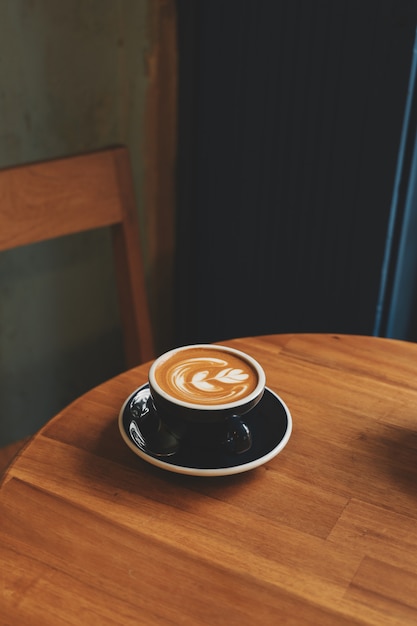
(206, 376)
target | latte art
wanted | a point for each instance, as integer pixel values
(198, 379)
(206, 376)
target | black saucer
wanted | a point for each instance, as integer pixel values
(269, 422)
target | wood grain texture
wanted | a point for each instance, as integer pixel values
(325, 533)
(50, 199)
(7, 453)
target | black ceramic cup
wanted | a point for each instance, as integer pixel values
(201, 393)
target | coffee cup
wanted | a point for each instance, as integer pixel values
(200, 393)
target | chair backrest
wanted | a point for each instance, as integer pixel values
(59, 197)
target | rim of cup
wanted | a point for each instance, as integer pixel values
(204, 407)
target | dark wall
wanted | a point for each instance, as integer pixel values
(290, 121)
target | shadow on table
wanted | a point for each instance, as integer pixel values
(128, 466)
(397, 451)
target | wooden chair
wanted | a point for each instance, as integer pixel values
(59, 197)
(63, 196)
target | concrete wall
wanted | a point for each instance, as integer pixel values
(72, 78)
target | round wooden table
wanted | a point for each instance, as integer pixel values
(323, 533)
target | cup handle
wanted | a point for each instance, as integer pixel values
(238, 437)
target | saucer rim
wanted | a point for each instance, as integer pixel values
(195, 471)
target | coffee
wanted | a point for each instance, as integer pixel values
(205, 375)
